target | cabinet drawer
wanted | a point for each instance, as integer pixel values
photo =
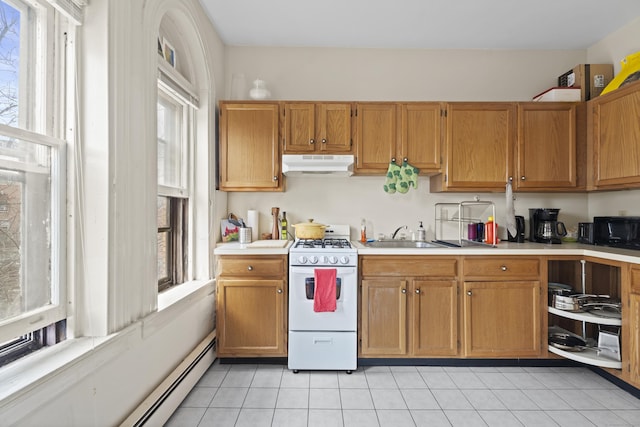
(500, 267)
(251, 266)
(408, 266)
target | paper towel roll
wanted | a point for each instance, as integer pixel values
(253, 220)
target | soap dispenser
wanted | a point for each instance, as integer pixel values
(422, 233)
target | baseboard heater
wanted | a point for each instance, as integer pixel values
(158, 407)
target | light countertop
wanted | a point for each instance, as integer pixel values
(281, 247)
(511, 248)
(259, 247)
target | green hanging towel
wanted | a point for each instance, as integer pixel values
(393, 173)
(409, 174)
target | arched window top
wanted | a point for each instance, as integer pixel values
(176, 45)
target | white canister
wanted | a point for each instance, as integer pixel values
(245, 235)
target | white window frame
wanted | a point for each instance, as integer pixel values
(43, 77)
(177, 89)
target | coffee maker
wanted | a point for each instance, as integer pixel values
(544, 226)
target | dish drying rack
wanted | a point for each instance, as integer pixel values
(451, 220)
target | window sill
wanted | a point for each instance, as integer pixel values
(36, 372)
(186, 290)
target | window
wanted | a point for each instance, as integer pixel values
(174, 130)
(32, 178)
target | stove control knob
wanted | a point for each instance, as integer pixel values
(313, 259)
(333, 260)
(302, 259)
(344, 260)
(324, 260)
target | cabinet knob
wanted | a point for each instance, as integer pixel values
(417, 291)
(250, 268)
(324, 140)
(275, 178)
(404, 291)
(522, 178)
(469, 293)
(503, 268)
(312, 141)
(279, 291)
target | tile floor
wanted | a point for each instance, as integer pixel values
(397, 396)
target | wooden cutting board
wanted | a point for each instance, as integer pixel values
(268, 244)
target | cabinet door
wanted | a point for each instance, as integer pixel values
(299, 128)
(502, 319)
(434, 310)
(634, 338)
(384, 317)
(249, 150)
(420, 135)
(479, 147)
(251, 317)
(616, 138)
(334, 127)
(546, 149)
(376, 136)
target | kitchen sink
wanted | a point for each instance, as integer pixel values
(411, 244)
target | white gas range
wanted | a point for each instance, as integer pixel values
(322, 338)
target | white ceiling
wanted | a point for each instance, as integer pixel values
(432, 24)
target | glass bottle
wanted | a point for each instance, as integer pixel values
(283, 226)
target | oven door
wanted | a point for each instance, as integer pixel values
(301, 314)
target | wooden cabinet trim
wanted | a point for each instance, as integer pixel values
(404, 266)
(501, 268)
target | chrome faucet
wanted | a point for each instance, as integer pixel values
(393, 236)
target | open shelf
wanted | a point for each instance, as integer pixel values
(585, 355)
(585, 317)
(588, 356)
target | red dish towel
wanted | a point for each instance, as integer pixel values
(324, 296)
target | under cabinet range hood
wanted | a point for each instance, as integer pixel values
(317, 164)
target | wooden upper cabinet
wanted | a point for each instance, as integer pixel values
(479, 145)
(387, 131)
(547, 147)
(376, 136)
(420, 136)
(249, 148)
(616, 138)
(311, 127)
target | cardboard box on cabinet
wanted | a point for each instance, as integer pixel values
(590, 78)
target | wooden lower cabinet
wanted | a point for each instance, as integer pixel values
(251, 306)
(384, 317)
(631, 319)
(435, 318)
(502, 319)
(501, 307)
(408, 307)
(634, 339)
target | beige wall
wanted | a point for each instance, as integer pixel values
(400, 75)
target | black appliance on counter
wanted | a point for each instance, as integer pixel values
(617, 231)
(585, 233)
(544, 226)
(519, 237)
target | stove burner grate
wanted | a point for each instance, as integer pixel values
(328, 243)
